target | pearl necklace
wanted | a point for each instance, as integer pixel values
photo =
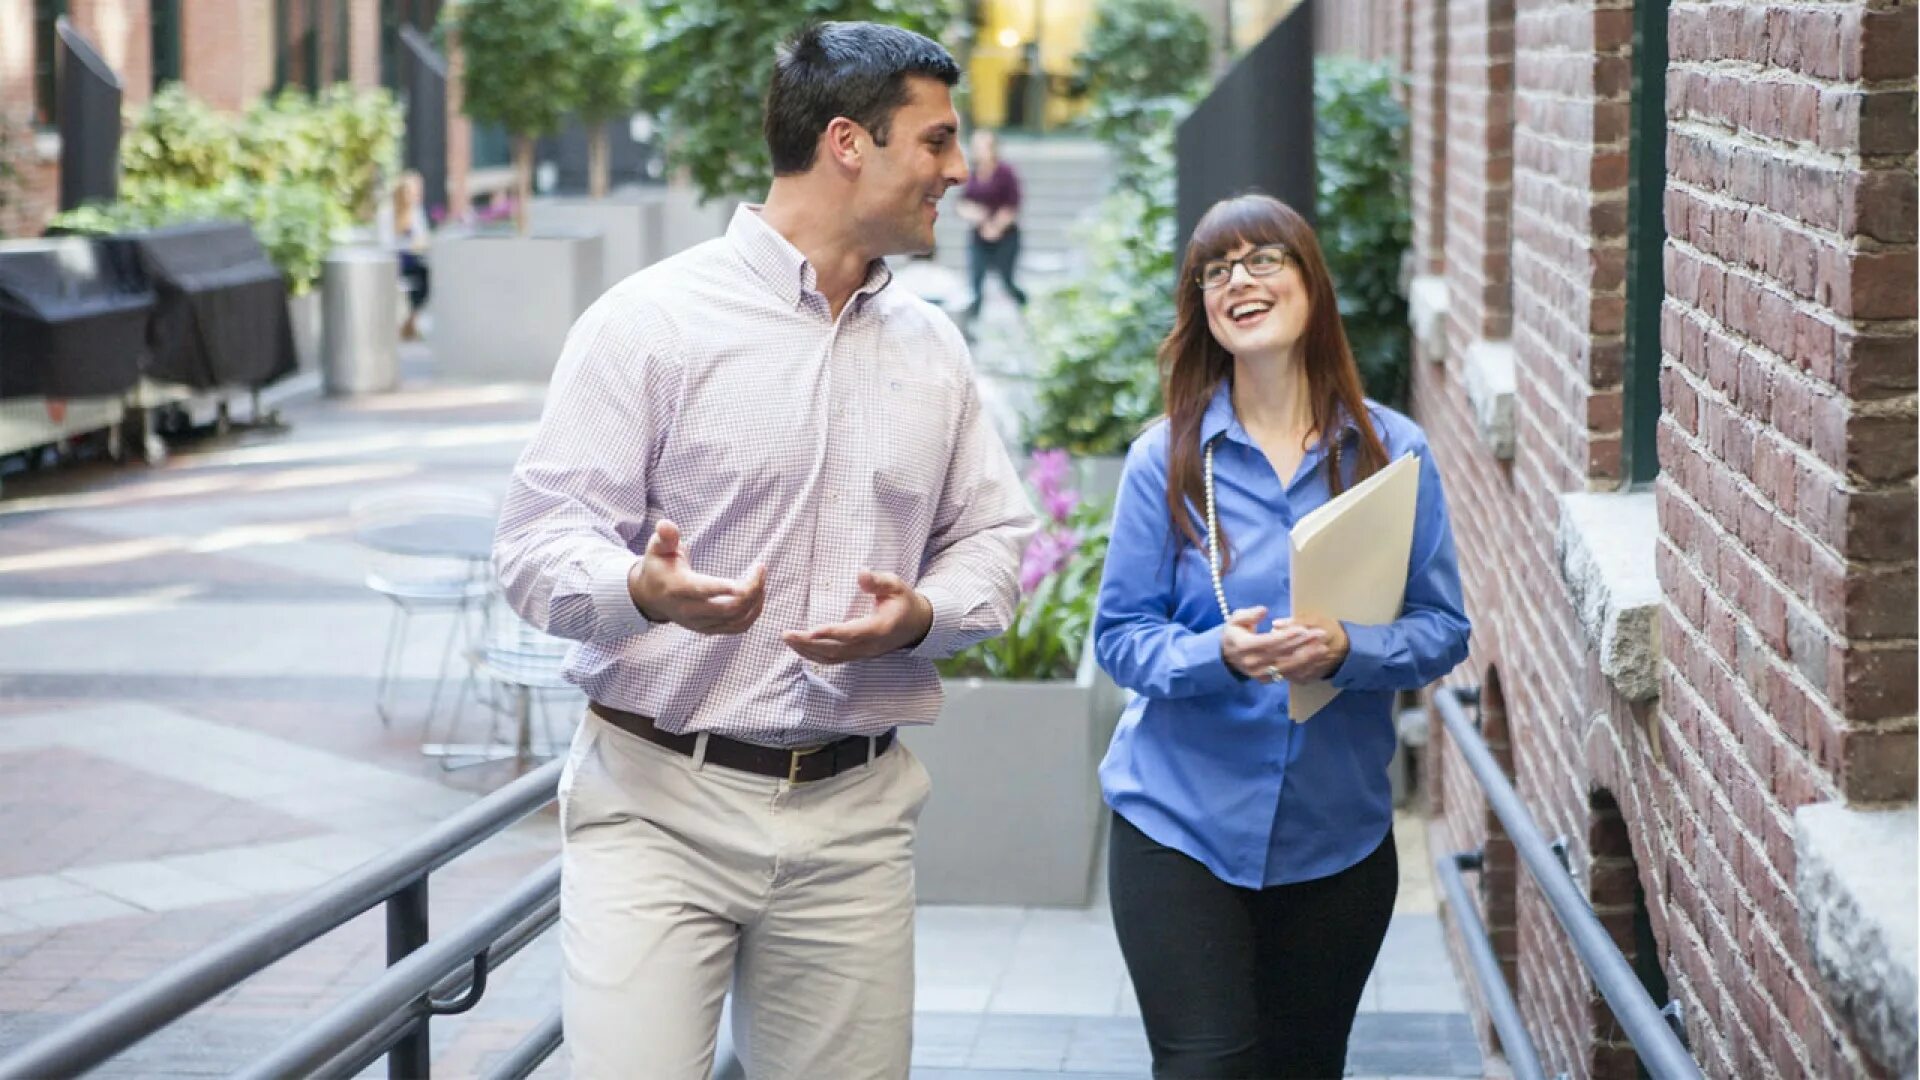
(1213, 542)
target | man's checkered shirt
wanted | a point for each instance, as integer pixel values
(714, 390)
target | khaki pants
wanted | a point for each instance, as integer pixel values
(678, 880)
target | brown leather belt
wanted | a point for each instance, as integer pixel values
(794, 766)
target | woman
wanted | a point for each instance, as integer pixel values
(990, 202)
(1252, 867)
(410, 240)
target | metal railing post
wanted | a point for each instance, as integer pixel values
(412, 1057)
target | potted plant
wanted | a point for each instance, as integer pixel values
(1022, 828)
(503, 303)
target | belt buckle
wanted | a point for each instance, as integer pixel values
(793, 762)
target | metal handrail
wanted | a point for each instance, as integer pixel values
(1523, 1059)
(104, 1032)
(407, 986)
(527, 1055)
(459, 986)
(1662, 1053)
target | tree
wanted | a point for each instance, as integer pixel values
(522, 65)
(708, 64)
(1144, 63)
(612, 62)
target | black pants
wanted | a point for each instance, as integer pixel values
(1246, 983)
(998, 256)
(413, 270)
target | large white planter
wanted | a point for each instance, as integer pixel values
(502, 304)
(630, 224)
(1015, 812)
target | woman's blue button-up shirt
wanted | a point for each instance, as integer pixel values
(1206, 762)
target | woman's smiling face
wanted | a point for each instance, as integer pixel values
(1251, 313)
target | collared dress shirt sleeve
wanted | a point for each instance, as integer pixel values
(1430, 637)
(1137, 638)
(576, 508)
(971, 575)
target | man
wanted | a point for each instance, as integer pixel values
(798, 453)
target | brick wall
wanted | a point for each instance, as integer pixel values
(1479, 168)
(121, 30)
(1787, 499)
(363, 56)
(227, 51)
(1427, 136)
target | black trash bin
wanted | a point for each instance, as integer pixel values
(220, 315)
(73, 317)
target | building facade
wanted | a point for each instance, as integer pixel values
(1663, 297)
(228, 53)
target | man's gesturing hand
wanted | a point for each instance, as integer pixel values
(665, 588)
(901, 618)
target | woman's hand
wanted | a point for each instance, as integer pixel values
(1303, 650)
(1315, 648)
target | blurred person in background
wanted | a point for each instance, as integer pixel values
(990, 202)
(410, 242)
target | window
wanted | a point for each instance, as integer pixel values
(1646, 238)
(310, 48)
(164, 18)
(46, 93)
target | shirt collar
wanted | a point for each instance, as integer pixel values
(1220, 419)
(774, 259)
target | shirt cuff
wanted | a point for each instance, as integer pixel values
(1365, 648)
(938, 644)
(1199, 659)
(614, 611)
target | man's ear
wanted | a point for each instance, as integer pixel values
(844, 142)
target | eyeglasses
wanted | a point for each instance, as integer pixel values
(1263, 261)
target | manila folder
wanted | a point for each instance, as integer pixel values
(1350, 562)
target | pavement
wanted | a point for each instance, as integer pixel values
(188, 660)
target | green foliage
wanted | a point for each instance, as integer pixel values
(522, 61)
(1055, 618)
(1365, 225)
(1144, 63)
(1145, 49)
(611, 58)
(178, 140)
(346, 142)
(1099, 333)
(708, 62)
(298, 169)
(16, 143)
(295, 221)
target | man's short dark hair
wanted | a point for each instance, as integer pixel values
(857, 70)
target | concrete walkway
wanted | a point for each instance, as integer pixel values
(187, 740)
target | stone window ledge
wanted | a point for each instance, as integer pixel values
(1855, 873)
(1489, 378)
(1606, 554)
(1427, 315)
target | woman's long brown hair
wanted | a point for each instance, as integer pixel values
(1193, 364)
